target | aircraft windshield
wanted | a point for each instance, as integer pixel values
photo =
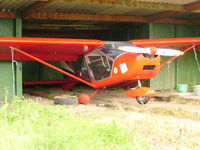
(100, 61)
(112, 49)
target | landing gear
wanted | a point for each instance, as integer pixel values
(142, 99)
(142, 94)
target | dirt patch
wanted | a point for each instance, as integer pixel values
(164, 125)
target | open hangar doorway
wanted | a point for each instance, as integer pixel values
(105, 20)
(108, 31)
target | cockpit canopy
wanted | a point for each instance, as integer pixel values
(98, 64)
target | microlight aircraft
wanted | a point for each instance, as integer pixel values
(105, 64)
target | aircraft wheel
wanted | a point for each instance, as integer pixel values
(142, 99)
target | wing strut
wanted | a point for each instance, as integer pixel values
(51, 66)
(168, 61)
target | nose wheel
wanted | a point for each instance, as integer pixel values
(142, 99)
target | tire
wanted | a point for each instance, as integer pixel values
(66, 101)
(142, 99)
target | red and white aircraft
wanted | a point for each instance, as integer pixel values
(106, 64)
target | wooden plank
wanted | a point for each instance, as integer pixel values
(89, 17)
(72, 27)
(187, 8)
(164, 15)
(178, 21)
(193, 6)
(113, 18)
(4, 14)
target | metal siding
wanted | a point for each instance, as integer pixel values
(139, 32)
(34, 71)
(18, 79)
(50, 74)
(184, 70)
(30, 71)
(187, 72)
(15, 4)
(5, 80)
(166, 79)
(8, 27)
(120, 35)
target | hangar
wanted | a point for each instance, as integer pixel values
(111, 20)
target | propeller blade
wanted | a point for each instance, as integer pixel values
(168, 52)
(159, 51)
(135, 49)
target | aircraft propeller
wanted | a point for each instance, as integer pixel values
(155, 51)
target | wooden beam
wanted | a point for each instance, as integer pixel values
(164, 15)
(89, 17)
(187, 8)
(71, 27)
(193, 6)
(178, 21)
(4, 14)
(34, 7)
(70, 34)
(111, 18)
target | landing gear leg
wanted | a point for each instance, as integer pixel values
(142, 94)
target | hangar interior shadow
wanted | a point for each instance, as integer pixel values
(108, 31)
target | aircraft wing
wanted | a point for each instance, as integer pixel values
(175, 43)
(48, 49)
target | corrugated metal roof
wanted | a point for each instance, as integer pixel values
(59, 6)
(179, 2)
(74, 7)
(117, 10)
(13, 5)
(104, 8)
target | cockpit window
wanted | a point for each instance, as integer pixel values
(100, 61)
(99, 65)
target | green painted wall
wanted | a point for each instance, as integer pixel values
(10, 77)
(187, 69)
(182, 70)
(34, 71)
(167, 73)
(135, 32)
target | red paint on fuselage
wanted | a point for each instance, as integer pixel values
(135, 64)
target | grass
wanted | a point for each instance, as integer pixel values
(28, 125)
(163, 128)
(166, 111)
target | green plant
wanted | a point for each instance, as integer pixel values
(191, 87)
(26, 124)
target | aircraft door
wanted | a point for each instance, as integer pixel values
(99, 66)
